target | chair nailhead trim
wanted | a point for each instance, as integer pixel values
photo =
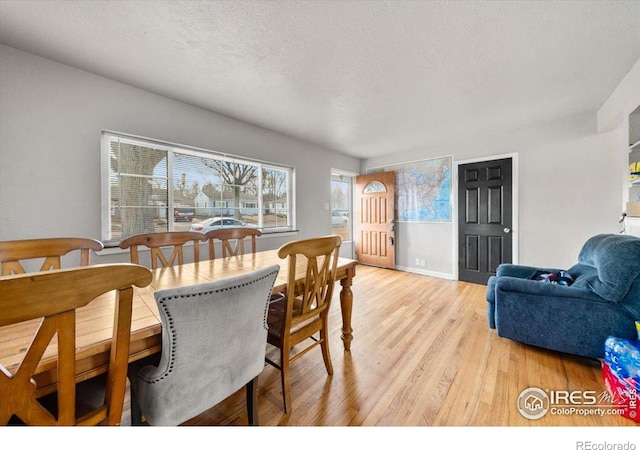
(163, 304)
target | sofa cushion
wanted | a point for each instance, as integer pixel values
(584, 276)
(582, 270)
(617, 260)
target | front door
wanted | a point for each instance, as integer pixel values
(484, 218)
(375, 219)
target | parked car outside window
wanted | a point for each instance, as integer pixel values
(339, 218)
(215, 223)
(184, 214)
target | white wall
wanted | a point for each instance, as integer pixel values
(622, 101)
(51, 117)
(569, 189)
(614, 114)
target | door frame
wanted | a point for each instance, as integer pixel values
(515, 230)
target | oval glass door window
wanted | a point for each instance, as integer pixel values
(374, 186)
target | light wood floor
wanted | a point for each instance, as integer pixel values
(422, 355)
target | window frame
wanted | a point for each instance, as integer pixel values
(172, 149)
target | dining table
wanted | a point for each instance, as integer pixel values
(94, 322)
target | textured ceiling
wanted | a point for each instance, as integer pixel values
(365, 78)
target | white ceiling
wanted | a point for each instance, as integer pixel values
(365, 78)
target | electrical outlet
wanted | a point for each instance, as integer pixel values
(423, 263)
(417, 261)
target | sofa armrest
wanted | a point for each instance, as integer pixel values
(519, 271)
(563, 318)
(514, 271)
(519, 282)
(511, 285)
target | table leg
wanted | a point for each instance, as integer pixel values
(346, 304)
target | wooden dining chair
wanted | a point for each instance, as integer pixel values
(214, 338)
(157, 241)
(303, 314)
(14, 253)
(232, 240)
(53, 297)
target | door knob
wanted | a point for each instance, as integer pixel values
(507, 230)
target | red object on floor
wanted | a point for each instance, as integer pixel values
(624, 393)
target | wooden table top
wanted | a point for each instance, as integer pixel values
(95, 321)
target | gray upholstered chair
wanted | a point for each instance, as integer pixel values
(214, 337)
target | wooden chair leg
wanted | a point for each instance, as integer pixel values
(326, 356)
(252, 401)
(284, 376)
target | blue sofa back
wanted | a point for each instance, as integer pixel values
(609, 266)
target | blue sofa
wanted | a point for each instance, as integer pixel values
(602, 301)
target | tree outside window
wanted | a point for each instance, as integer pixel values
(154, 187)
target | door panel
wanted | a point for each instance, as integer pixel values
(375, 219)
(484, 218)
(473, 205)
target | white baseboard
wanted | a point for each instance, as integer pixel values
(447, 276)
